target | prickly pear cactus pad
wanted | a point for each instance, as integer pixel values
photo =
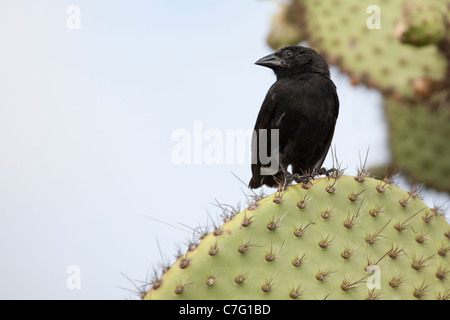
(343, 238)
(419, 141)
(421, 23)
(286, 27)
(383, 44)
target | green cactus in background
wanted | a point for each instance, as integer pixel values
(286, 29)
(419, 139)
(402, 49)
(421, 23)
(344, 32)
(338, 238)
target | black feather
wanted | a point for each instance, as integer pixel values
(303, 105)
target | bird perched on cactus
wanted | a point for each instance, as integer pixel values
(297, 118)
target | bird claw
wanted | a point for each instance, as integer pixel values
(298, 178)
(328, 172)
(306, 178)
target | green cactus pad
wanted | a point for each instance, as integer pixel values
(286, 26)
(421, 23)
(419, 141)
(344, 238)
(362, 38)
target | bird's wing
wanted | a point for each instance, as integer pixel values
(268, 107)
(334, 106)
(265, 120)
(305, 112)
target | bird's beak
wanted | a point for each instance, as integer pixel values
(270, 61)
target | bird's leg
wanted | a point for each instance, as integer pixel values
(327, 172)
(288, 177)
(302, 178)
(298, 178)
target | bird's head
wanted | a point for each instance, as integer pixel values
(294, 60)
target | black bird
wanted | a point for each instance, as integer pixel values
(303, 105)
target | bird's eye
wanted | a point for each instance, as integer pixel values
(288, 53)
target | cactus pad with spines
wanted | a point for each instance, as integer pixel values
(342, 31)
(321, 241)
(421, 23)
(286, 28)
(419, 143)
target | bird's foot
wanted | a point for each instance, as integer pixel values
(333, 172)
(298, 178)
